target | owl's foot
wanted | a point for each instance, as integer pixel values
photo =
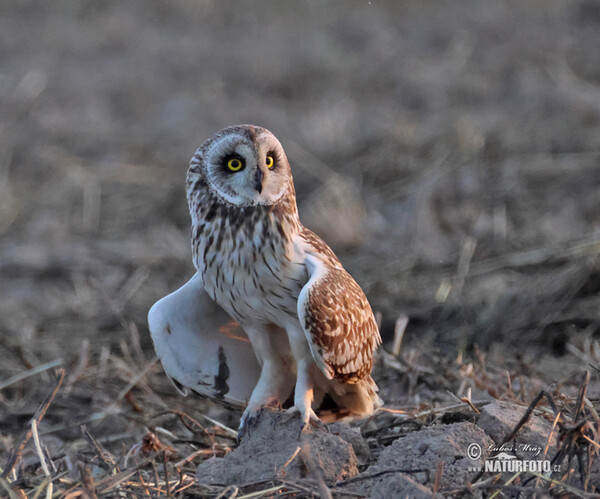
(273, 386)
(307, 415)
(251, 414)
(248, 419)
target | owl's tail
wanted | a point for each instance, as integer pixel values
(350, 401)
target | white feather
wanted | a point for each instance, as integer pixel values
(188, 329)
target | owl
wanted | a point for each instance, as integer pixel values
(271, 316)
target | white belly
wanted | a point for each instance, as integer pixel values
(254, 288)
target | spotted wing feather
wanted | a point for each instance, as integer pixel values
(337, 318)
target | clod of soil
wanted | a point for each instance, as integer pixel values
(424, 450)
(498, 419)
(274, 448)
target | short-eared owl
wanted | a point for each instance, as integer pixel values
(311, 329)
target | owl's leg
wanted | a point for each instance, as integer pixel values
(276, 380)
(305, 365)
(303, 392)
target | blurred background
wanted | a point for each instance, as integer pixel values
(449, 152)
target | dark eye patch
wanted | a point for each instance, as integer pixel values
(226, 161)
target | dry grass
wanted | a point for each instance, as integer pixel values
(172, 436)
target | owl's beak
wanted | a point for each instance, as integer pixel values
(258, 177)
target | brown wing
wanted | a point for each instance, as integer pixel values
(317, 245)
(338, 321)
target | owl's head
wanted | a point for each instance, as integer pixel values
(243, 165)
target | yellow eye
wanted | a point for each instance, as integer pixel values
(270, 161)
(235, 164)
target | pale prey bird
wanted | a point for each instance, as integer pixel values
(271, 312)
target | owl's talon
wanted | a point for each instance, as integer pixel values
(303, 427)
(243, 429)
(248, 420)
(307, 417)
(240, 435)
(315, 422)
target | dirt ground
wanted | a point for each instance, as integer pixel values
(449, 152)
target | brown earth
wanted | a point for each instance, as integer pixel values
(448, 151)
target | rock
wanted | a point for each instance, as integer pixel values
(498, 419)
(272, 448)
(423, 450)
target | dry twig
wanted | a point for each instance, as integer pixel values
(37, 417)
